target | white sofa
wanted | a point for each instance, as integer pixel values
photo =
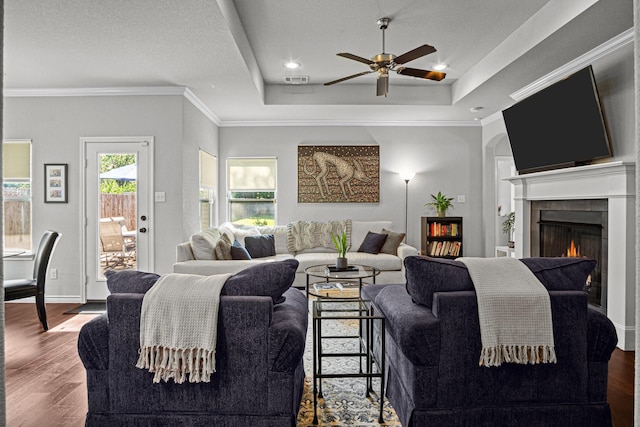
(194, 259)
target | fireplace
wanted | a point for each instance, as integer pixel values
(574, 228)
(608, 187)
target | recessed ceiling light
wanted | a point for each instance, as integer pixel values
(292, 65)
(476, 109)
(440, 67)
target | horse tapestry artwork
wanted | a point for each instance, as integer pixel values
(338, 174)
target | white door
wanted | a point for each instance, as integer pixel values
(117, 207)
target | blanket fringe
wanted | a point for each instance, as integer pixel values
(176, 363)
(519, 354)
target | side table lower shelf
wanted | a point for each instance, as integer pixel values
(348, 309)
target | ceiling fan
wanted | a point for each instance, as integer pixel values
(385, 62)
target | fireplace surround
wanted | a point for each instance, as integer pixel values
(574, 228)
(612, 183)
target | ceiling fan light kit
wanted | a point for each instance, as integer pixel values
(384, 62)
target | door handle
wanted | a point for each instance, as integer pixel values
(143, 230)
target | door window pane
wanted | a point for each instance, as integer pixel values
(118, 203)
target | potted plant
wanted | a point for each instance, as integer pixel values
(508, 226)
(441, 203)
(340, 243)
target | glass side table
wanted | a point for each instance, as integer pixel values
(370, 366)
(338, 284)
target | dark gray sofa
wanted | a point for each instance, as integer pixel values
(433, 346)
(259, 379)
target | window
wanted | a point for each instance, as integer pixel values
(251, 190)
(16, 191)
(208, 185)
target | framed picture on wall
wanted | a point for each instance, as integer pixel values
(338, 174)
(55, 183)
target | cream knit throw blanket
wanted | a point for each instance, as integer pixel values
(178, 327)
(514, 310)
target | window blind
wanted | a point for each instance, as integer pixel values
(251, 174)
(16, 160)
(208, 171)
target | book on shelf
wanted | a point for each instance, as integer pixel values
(440, 248)
(437, 229)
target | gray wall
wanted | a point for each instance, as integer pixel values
(55, 126)
(444, 158)
(198, 133)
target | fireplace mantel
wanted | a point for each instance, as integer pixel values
(613, 181)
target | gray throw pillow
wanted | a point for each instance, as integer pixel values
(393, 241)
(260, 246)
(223, 247)
(129, 281)
(267, 279)
(372, 243)
(238, 251)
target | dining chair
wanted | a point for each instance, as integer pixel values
(34, 287)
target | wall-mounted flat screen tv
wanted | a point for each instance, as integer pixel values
(562, 125)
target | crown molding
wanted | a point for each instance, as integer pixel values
(577, 64)
(95, 91)
(201, 107)
(492, 118)
(377, 123)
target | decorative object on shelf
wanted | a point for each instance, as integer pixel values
(406, 176)
(338, 174)
(440, 203)
(508, 226)
(55, 183)
(342, 247)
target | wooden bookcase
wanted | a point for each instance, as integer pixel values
(441, 237)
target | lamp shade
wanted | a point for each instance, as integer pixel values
(407, 175)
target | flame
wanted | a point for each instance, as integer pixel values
(572, 251)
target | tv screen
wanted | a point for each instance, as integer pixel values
(560, 126)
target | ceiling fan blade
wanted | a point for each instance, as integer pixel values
(356, 58)
(383, 85)
(347, 78)
(416, 53)
(423, 74)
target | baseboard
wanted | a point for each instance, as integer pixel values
(626, 337)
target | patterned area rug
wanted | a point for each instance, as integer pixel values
(344, 402)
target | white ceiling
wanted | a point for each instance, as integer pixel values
(230, 54)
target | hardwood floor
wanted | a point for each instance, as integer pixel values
(45, 379)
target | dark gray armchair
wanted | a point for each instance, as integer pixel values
(433, 346)
(259, 374)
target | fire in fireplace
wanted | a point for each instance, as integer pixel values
(572, 251)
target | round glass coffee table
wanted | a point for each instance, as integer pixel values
(338, 283)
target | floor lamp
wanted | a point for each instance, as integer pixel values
(407, 176)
